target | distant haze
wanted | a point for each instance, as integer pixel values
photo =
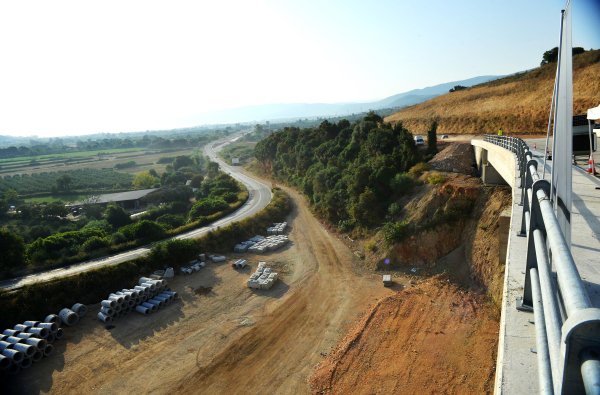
(305, 110)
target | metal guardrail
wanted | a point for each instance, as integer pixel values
(567, 326)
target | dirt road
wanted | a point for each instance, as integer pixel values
(225, 340)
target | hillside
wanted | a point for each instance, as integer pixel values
(518, 103)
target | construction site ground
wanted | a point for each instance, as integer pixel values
(221, 337)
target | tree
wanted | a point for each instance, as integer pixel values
(55, 209)
(13, 251)
(153, 173)
(432, 138)
(182, 161)
(551, 55)
(117, 217)
(3, 207)
(11, 196)
(64, 182)
(93, 211)
(143, 180)
(457, 88)
(197, 181)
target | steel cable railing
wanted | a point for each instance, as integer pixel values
(567, 326)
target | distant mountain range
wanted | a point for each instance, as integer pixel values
(265, 112)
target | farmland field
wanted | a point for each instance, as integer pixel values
(90, 160)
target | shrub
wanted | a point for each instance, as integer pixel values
(206, 207)
(370, 246)
(13, 250)
(165, 159)
(436, 178)
(394, 209)
(394, 232)
(118, 238)
(147, 230)
(230, 197)
(417, 170)
(95, 243)
(402, 183)
(170, 221)
(102, 224)
(345, 225)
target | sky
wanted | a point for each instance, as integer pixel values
(73, 67)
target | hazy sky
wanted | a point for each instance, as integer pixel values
(115, 66)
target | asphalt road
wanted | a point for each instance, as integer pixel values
(259, 197)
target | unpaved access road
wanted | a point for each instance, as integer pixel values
(224, 340)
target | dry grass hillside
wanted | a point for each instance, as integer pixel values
(518, 104)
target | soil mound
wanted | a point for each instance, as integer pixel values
(458, 158)
(434, 338)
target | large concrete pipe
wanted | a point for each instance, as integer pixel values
(158, 303)
(107, 311)
(145, 280)
(69, 317)
(79, 309)
(144, 298)
(242, 264)
(164, 295)
(165, 301)
(14, 340)
(150, 285)
(169, 274)
(15, 355)
(3, 337)
(140, 289)
(118, 309)
(175, 294)
(143, 310)
(26, 349)
(22, 328)
(37, 356)
(167, 288)
(60, 333)
(51, 326)
(10, 332)
(50, 339)
(138, 300)
(48, 350)
(127, 310)
(54, 318)
(26, 363)
(107, 319)
(40, 344)
(131, 303)
(4, 362)
(31, 323)
(3, 374)
(150, 306)
(122, 312)
(116, 298)
(42, 333)
(125, 297)
(21, 335)
(14, 368)
(108, 303)
(132, 294)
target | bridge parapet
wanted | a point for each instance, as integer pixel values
(567, 327)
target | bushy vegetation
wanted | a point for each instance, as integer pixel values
(243, 152)
(39, 300)
(124, 165)
(350, 173)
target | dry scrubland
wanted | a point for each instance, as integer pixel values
(518, 104)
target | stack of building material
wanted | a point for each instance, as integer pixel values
(151, 294)
(218, 258)
(270, 243)
(277, 229)
(29, 342)
(263, 278)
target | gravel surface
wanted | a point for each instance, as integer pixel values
(458, 158)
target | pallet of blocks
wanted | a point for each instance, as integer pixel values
(270, 243)
(277, 229)
(263, 278)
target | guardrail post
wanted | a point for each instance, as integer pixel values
(525, 197)
(535, 222)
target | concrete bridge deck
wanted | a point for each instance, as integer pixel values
(517, 366)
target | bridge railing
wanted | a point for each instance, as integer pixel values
(567, 327)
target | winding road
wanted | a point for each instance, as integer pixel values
(259, 197)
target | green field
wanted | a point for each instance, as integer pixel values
(67, 155)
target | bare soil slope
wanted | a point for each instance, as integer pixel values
(518, 104)
(432, 339)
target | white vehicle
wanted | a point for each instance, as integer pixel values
(419, 140)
